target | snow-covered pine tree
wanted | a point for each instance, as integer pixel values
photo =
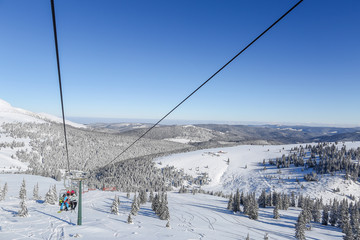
(276, 211)
(23, 208)
(354, 221)
(343, 213)
(315, 211)
(4, 191)
(115, 206)
(325, 215)
(285, 201)
(254, 207)
(334, 213)
(22, 193)
(236, 202)
(151, 196)
(118, 200)
(346, 228)
(246, 205)
(269, 199)
(129, 220)
(248, 237)
(292, 201)
(345, 218)
(49, 197)
(164, 211)
(300, 201)
(262, 199)
(54, 193)
(142, 196)
(155, 203)
(134, 206)
(160, 207)
(300, 227)
(36, 192)
(230, 203)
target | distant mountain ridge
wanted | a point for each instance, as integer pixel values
(233, 134)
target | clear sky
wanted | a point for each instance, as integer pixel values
(138, 59)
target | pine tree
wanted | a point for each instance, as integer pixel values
(4, 191)
(118, 199)
(300, 227)
(300, 201)
(115, 206)
(54, 192)
(248, 237)
(142, 196)
(155, 203)
(325, 215)
(269, 199)
(276, 211)
(262, 199)
(236, 202)
(22, 193)
(254, 207)
(293, 201)
(354, 222)
(246, 204)
(334, 213)
(49, 197)
(230, 203)
(151, 196)
(344, 214)
(36, 192)
(134, 206)
(23, 209)
(316, 214)
(129, 220)
(164, 209)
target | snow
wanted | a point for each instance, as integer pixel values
(9, 114)
(246, 172)
(180, 140)
(192, 217)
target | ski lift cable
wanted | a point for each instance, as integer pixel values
(60, 86)
(232, 59)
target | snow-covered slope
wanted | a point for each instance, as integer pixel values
(245, 171)
(191, 217)
(12, 114)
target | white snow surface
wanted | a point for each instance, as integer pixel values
(246, 171)
(192, 217)
(9, 114)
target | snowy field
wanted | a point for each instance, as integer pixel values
(192, 217)
(197, 216)
(246, 171)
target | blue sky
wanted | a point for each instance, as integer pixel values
(138, 59)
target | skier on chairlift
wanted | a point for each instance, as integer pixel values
(64, 201)
(73, 200)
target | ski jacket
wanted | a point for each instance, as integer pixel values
(73, 198)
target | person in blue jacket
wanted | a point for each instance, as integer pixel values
(65, 202)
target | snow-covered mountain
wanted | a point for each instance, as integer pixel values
(10, 114)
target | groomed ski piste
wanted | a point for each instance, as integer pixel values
(199, 216)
